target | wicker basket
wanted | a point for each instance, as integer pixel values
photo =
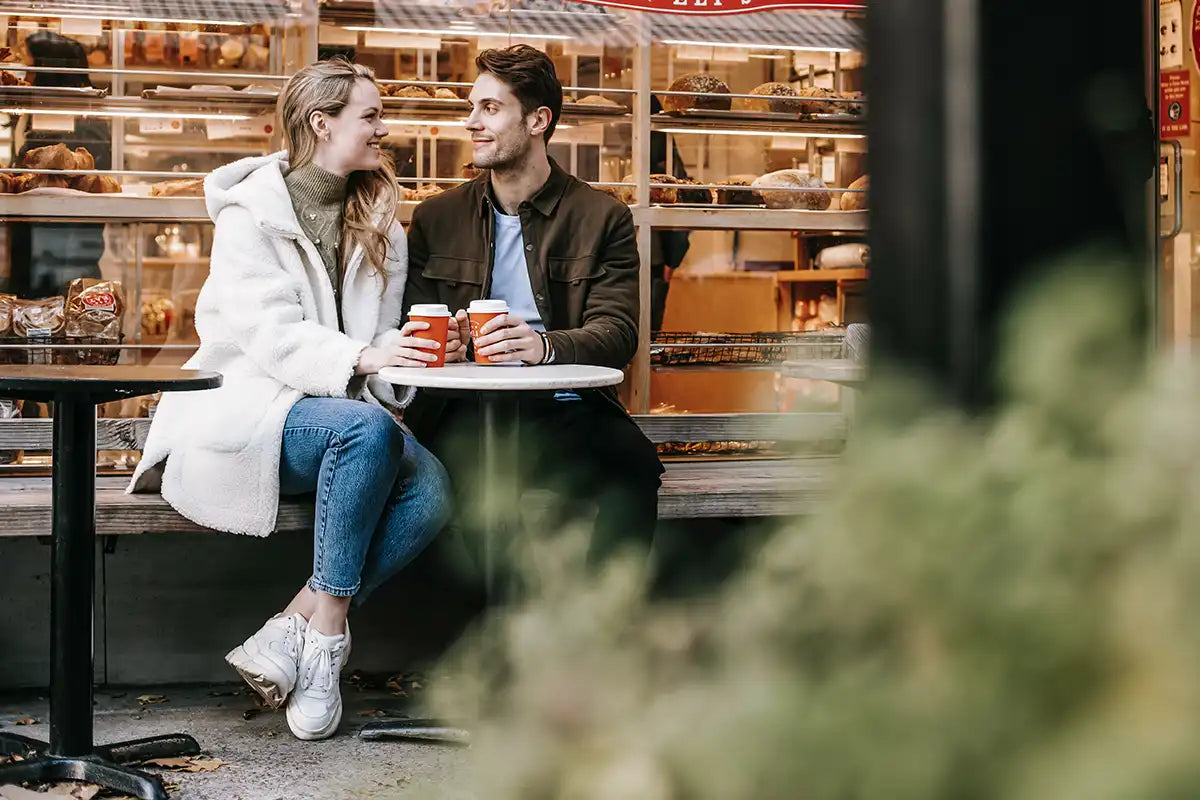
(674, 348)
(34, 351)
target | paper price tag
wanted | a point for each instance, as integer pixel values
(52, 122)
(160, 125)
(219, 129)
(82, 27)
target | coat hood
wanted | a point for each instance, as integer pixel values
(256, 184)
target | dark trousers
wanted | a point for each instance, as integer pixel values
(588, 453)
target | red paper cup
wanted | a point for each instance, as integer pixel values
(438, 319)
(479, 313)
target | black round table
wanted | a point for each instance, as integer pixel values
(70, 754)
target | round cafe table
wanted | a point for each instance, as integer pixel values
(70, 754)
(495, 384)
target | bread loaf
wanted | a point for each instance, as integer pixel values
(792, 179)
(778, 98)
(692, 196)
(738, 197)
(96, 184)
(811, 100)
(597, 100)
(410, 91)
(710, 85)
(661, 195)
(854, 201)
(442, 93)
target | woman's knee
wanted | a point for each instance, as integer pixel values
(373, 429)
(426, 481)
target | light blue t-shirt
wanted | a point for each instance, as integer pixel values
(510, 277)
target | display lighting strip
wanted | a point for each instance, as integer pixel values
(735, 132)
(446, 123)
(750, 46)
(458, 32)
(131, 113)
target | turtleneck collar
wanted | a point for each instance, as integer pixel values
(311, 184)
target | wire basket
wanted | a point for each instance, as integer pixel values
(67, 350)
(675, 348)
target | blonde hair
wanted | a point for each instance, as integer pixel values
(371, 197)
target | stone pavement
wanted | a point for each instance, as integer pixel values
(261, 759)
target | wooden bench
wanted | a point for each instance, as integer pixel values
(692, 488)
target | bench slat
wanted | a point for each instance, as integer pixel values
(691, 490)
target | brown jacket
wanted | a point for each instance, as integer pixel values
(580, 249)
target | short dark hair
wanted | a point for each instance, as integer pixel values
(530, 74)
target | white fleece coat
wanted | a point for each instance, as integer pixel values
(268, 323)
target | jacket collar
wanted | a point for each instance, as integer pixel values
(545, 199)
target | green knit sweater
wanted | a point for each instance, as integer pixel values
(319, 199)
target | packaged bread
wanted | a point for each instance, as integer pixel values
(856, 200)
(777, 97)
(6, 313)
(38, 318)
(787, 181)
(96, 184)
(709, 85)
(94, 309)
(185, 187)
(738, 197)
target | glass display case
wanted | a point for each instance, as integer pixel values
(739, 141)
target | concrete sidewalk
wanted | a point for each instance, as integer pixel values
(262, 760)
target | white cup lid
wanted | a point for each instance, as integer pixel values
(488, 307)
(429, 310)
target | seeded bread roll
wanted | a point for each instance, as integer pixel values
(854, 201)
(738, 197)
(812, 103)
(792, 179)
(782, 99)
(710, 85)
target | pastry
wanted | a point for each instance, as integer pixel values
(661, 195)
(854, 201)
(96, 184)
(709, 85)
(9, 79)
(53, 156)
(788, 180)
(410, 91)
(186, 187)
(445, 94)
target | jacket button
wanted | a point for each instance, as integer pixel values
(529, 247)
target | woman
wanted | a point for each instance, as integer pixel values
(299, 312)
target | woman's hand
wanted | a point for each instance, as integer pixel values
(459, 333)
(406, 351)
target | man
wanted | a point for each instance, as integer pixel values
(564, 257)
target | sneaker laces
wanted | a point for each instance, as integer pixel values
(319, 671)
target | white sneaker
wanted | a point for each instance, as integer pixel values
(315, 707)
(269, 660)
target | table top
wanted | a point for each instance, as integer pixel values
(837, 370)
(485, 377)
(129, 381)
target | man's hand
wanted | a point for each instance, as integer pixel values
(459, 333)
(509, 338)
(407, 351)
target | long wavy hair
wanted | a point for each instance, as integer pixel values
(371, 196)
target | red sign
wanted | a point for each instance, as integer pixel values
(1174, 104)
(726, 6)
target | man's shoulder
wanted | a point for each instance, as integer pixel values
(596, 200)
(448, 205)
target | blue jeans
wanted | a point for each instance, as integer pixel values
(381, 496)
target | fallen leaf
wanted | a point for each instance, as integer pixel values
(186, 764)
(27, 721)
(394, 685)
(150, 699)
(374, 712)
(76, 791)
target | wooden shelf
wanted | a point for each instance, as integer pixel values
(821, 275)
(760, 219)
